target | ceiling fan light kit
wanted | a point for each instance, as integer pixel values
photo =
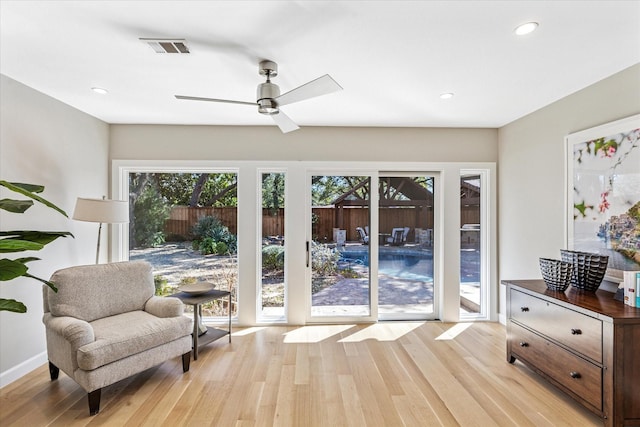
(267, 106)
(269, 99)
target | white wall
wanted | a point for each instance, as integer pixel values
(158, 142)
(531, 159)
(43, 141)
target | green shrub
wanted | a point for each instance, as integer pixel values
(222, 248)
(324, 259)
(162, 286)
(209, 230)
(349, 273)
(207, 246)
(150, 213)
(273, 257)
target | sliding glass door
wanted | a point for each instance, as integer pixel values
(371, 251)
(405, 246)
(338, 250)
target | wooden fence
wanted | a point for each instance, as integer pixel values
(183, 218)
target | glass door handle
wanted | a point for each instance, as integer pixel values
(307, 253)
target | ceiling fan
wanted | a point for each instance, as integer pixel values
(269, 99)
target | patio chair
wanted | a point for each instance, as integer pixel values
(363, 236)
(398, 236)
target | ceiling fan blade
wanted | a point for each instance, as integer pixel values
(284, 122)
(228, 101)
(320, 86)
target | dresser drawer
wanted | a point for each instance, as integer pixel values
(581, 377)
(577, 331)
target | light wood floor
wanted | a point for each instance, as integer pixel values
(386, 374)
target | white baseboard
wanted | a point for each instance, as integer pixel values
(502, 319)
(18, 371)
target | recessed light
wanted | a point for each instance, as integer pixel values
(100, 90)
(447, 95)
(526, 28)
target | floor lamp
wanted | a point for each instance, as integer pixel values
(103, 211)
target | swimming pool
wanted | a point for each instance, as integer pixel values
(411, 264)
(399, 264)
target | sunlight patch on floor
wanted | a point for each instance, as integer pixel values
(453, 331)
(383, 332)
(248, 331)
(314, 334)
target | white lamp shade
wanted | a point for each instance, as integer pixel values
(101, 210)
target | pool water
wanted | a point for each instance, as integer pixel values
(413, 265)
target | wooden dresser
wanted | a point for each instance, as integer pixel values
(585, 343)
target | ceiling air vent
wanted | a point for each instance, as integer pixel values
(167, 45)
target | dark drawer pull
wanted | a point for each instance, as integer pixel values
(524, 344)
(524, 309)
(576, 331)
(575, 375)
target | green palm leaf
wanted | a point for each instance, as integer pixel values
(15, 245)
(15, 206)
(10, 269)
(29, 191)
(12, 305)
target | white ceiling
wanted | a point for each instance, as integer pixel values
(393, 58)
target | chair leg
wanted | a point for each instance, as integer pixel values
(54, 371)
(186, 361)
(94, 401)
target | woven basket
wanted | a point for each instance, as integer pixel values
(589, 269)
(556, 274)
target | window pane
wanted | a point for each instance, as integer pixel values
(470, 261)
(185, 225)
(272, 289)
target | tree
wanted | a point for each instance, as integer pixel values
(198, 189)
(273, 191)
(148, 210)
(325, 189)
(137, 184)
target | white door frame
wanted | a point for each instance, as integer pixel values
(449, 248)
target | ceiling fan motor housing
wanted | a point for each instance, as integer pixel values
(267, 92)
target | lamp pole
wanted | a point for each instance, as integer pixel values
(98, 246)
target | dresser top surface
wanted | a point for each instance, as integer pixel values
(600, 302)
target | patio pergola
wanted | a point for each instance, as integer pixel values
(412, 204)
(403, 202)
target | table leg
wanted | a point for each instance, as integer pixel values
(229, 317)
(196, 321)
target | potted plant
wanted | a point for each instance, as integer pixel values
(23, 240)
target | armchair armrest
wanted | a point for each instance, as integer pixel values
(164, 306)
(75, 331)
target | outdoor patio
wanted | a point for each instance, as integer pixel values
(177, 262)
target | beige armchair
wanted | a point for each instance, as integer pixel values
(105, 324)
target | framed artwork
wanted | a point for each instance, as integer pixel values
(603, 193)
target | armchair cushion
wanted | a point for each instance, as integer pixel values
(95, 291)
(126, 334)
(76, 332)
(164, 306)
